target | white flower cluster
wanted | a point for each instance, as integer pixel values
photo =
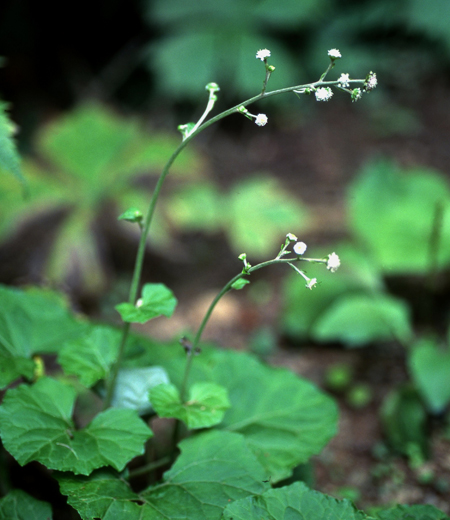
(344, 80)
(333, 262)
(371, 81)
(324, 94)
(334, 54)
(263, 54)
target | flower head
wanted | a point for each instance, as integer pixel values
(334, 54)
(261, 119)
(299, 248)
(333, 262)
(311, 283)
(139, 303)
(324, 94)
(291, 237)
(356, 94)
(344, 80)
(262, 54)
(371, 81)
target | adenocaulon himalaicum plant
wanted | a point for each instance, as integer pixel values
(322, 90)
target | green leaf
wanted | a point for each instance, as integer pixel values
(393, 213)
(213, 469)
(284, 418)
(294, 502)
(204, 408)
(18, 505)
(90, 356)
(36, 424)
(32, 321)
(404, 418)
(358, 319)
(9, 157)
(415, 512)
(240, 284)
(133, 385)
(429, 366)
(259, 212)
(156, 300)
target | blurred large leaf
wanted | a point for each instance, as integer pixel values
(9, 157)
(91, 156)
(302, 308)
(292, 502)
(358, 319)
(431, 18)
(36, 424)
(429, 366)
(259, 212)
(18, 505)
(32, 321)
(393, 212)
(404, 419)
(254, 214)
(214, 469)
(207, 41)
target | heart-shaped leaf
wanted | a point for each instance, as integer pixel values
(205, 407)
(36, 424)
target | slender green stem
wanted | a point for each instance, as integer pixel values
(134, 287)
(149, 467)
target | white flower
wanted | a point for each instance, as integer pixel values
(261, 119)
(333, 262)
(334, 54)
(311, 283)
(344, 80)
(371, 81)
(139, 303)
(262, 54)
(300, 248)
(324, 94)
(291, 237)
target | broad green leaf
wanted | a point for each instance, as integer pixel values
(302, 308)
(294, 502)
(259, 212)
(358, 319)
(18, 505)
(394, 214)
(429, 366)
(90, 356)
(9, 157)
(205, 407)
(36, 424)
(156, 300)
(404, 418)
(414, 512)
(133, 385)
(214, 469)
(32, 321)
(284, 418)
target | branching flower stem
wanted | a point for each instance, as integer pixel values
(226, 288)
(151, 210)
